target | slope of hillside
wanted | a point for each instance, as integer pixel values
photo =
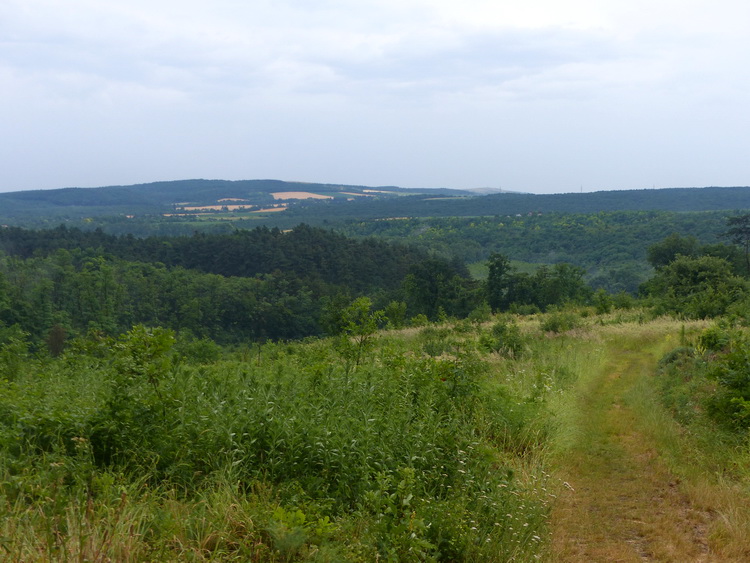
(673, 199)
(182, 196)
(285, 204)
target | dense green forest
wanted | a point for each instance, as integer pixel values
(250, 284)
(315, 255)
(269, 284)
(606, 233)
(589, 240)
(610, 246)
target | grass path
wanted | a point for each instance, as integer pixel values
(620, 501)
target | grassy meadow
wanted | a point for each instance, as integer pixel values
(438, 443)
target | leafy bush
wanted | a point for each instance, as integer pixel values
(480, 314)
(714, 384)
(197, 350)
(715, 339)
(395, 314)
(678, 358)
(560, 321)
(436, 341)
(14, 352)
(504, 337)
(698, 288)
(524, 309)
(603, 302)
(730, 404)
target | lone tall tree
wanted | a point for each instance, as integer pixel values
(739, 233)
(498, 281)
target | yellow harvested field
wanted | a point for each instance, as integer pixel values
(270, 210)
(299, 195)
(215, 207)
(203, 208)
(352, 193)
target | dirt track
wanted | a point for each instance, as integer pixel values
(619, 501)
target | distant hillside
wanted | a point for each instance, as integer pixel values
(185, 197)
(669, 199)
(187, 205)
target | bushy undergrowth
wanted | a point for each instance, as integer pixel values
(504, 337)
(561, 321)
(147, 448)
(710, 380)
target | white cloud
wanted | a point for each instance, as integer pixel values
(411, 92)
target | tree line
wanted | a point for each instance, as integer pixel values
(266, 284)
(260, 284)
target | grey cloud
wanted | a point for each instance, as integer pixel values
(476, 61)
(372, 92)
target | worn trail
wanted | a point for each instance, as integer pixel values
(619, 501)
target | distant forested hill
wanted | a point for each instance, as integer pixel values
(190, 197)
(186, 205)
(674, 199)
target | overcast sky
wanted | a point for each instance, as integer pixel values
(544, 96)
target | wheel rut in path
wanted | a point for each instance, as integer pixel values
(619, 501)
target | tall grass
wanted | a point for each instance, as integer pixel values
(122, 450)
(709, 455)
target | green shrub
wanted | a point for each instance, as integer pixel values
(603, 302)
(14, 354)
(398, 459)
(395, 314)
(504, 337)
(525, 310)
(198, 351)
(682, 384)
(480, 314)
(678, 357)
(730, 404)
(715, 339)
(560, 321)
(623, 300)
(436, 341)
